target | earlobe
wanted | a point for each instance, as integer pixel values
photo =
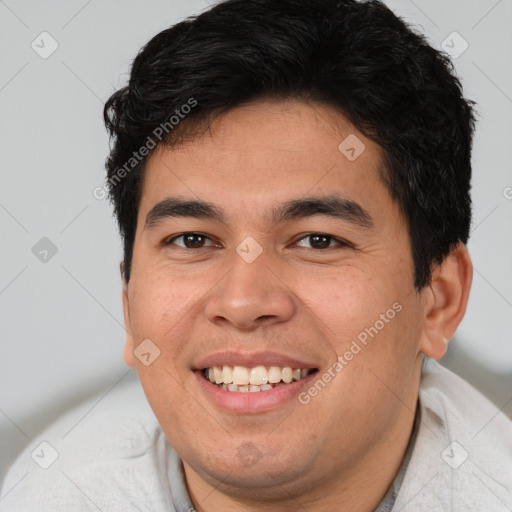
(445, 301)
(128, 356)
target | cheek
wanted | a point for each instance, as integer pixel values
(345, 305)
(159, 311)
(159, 304)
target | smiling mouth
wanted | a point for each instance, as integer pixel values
(241, 379)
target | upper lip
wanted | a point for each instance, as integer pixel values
(252, 359)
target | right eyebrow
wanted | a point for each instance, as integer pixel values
(175, 207)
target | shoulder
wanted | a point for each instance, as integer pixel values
(101, 454)
(468, 412)
(462, 457)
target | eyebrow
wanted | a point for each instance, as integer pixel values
(332, 206)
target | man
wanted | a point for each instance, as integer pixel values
(291, 181)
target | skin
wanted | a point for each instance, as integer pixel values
(342, 450)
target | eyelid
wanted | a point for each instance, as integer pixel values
(339, 241)
(170, 240)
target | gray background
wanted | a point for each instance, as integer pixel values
(61, 316)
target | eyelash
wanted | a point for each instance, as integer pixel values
(341, 243)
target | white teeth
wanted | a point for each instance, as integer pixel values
(287, 375)
(240, 375)
(258, 378)
(274, 374)
(217, 374)
(227, 374)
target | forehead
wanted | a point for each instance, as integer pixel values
(269, 152)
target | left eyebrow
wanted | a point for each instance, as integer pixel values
(332, 206)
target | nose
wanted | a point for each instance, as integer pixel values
(251, 295)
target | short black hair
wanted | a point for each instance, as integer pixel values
(357, 57)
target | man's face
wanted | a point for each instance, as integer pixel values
(281, 277)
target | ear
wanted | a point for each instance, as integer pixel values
(445, 301)
(129, 347)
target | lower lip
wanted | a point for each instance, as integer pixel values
(252, 402)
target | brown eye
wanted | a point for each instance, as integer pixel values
(190, 241)
(193, 241)
(319, 241)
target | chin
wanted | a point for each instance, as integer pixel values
(249, 468)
